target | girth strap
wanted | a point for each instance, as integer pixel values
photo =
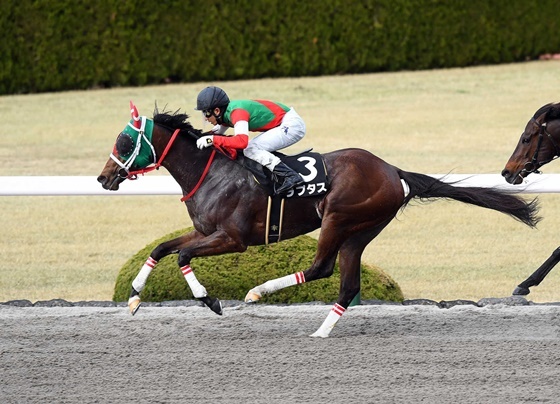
(274, 218)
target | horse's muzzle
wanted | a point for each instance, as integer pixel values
(107, 184)
(512, 178)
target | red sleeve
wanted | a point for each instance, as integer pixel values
(239, 115)
(237, 141)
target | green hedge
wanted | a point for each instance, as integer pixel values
(231, 276)
(66, 44)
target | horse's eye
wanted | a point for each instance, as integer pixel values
(525, 140)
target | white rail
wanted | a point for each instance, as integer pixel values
(85, 185)
(166, 185)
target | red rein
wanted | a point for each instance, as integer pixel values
(133, 174)
(206, 169)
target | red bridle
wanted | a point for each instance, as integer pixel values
(133, 175)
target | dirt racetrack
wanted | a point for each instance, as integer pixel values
(262, 354)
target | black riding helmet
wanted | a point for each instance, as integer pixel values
(212, 97)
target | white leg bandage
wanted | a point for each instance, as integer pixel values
(279, 283)
(140, 280)
(334, 315)
(197, 289)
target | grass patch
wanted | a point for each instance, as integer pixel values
(231, 276)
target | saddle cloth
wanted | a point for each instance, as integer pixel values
(308, 164)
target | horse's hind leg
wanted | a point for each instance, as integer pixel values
(537, 277)
(349, 261)
(322, 267)
(255, 294)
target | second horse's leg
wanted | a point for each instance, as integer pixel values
(537, 276)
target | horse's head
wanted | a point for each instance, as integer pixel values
(133, 150)
(539, 144)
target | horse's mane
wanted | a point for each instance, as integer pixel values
(173, 120)
(552, 111)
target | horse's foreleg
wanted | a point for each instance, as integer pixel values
(162, 250)
(138, 284)
(536, 278)
(199, 291)
(217, 243)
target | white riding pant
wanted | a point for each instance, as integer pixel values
(290, 131)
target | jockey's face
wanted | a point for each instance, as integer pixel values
(210, 115)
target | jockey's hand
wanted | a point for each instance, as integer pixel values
(205, 141)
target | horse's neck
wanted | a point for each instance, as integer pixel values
(188, 165)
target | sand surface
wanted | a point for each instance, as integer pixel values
(263, 354)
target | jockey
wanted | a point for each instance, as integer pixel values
(280, 127)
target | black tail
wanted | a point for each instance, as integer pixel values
(427, 188)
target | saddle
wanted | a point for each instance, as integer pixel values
(308, 164)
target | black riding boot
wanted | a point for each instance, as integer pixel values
(291, 178)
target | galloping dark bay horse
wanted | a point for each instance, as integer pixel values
(538, 145)
(229, 208)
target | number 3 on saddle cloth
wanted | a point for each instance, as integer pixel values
(309, 165)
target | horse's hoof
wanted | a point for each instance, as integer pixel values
(252, 297)
(134, 304)
(521, 291)
(213, 303)
(320, 334)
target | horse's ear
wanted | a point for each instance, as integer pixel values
(542, 118)
(134, 114)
